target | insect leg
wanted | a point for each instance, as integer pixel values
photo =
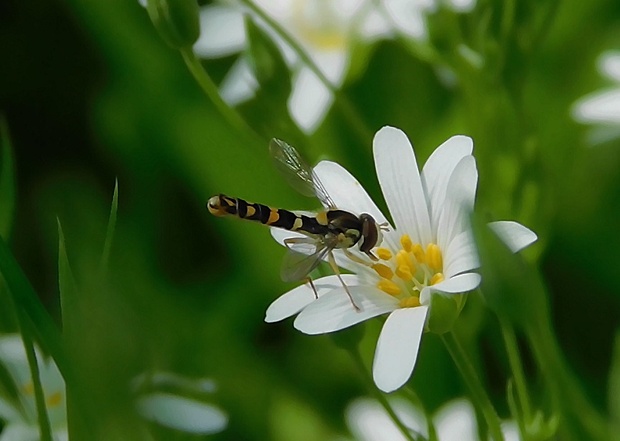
(356, 259)
(316, 293)
(332, 263)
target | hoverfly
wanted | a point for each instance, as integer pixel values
(324, 232)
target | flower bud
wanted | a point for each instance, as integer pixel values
(444, 310)
(177, 21)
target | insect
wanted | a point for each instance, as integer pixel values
(324, 232)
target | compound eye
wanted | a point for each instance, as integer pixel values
(370, 233)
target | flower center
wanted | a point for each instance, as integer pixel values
(405, 273)
(316, 23)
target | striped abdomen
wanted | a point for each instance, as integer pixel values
(222, 205)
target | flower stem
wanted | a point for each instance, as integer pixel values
(566, 391)
(210, 89)
(345, 106)
(510, 341)
(357, 358)
(42, 418)
(479, 396)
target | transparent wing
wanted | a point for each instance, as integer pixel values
(297, 172)
(301, 258)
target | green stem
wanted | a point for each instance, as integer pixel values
(567, 392)
(341, 101)
(210, 89)
(357, 358)
(417, 402)
(510, 341)
(479, 396)
(43, 420)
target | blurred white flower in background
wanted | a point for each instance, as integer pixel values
(19, 412)
(455, 420)
(602, 108)
(326, 30)
(176, 402)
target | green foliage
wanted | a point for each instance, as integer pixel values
(154, 283)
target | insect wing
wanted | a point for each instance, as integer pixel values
(297, 172)
(301, 259)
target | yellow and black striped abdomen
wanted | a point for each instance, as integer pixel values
(222, 205)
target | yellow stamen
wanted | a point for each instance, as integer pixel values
(434, 257)
(54, 399)
(384, 253)
(404, 272)
(389, 287)
(403, 259)
(406, 243)
(383, 270)
(28, 388)
(418, 253)
(409, 302)
(438, 277)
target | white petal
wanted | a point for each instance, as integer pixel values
(513, 234)
(456, 420)
(408, 15)
(397, 348)
(456, 285)
(399, 177)
(374, 26)
(239, 84)
(459, 202)
(222, 32)
(293, 301)
(332, 63)
(609, 65)
(461, 255)
(334, 310)
(19, 432)
(346, 191)
(309, 100)
(599, 107)
(438, 169)
(369, 421)
(462, 6)
(181, 413)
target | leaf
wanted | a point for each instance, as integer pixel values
(7, 181)
(614, 389)
(511, 288)
(69, 300)
(107, 244)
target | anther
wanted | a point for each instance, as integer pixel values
(54, 399)
(438, 277)
(418, 253)
(434, 257)
(389, 287)
(383, 270)
(403, 259)
(409, 302)
(384, 253)
(404, 272)
(405, 242)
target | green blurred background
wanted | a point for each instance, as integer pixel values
(91, 94)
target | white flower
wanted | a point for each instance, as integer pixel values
(20, 418)
(325, 29)
(602, 107)
(177, 411)
(455, 420)
(430, 249)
